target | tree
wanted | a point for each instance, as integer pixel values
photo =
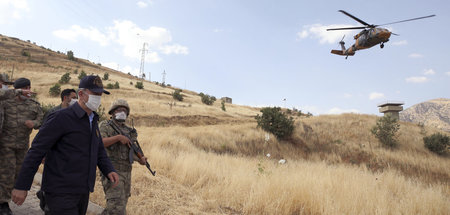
(223, 105)
(207, 99)
(82, 75)
(116, 85)
(437, 143)
(70, 55)
(55, 90)
(65, 78)
(105, 76)
(139, 85)
(276, 122)
(177, 95)
(385, 131)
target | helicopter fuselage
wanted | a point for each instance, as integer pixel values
(365, 39)
(371, 37)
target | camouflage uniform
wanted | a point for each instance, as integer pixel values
(117, 198)
(14, 140)
(6, 94)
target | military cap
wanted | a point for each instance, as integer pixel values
(119, 103)
(4, 78)
(92, 83)
(21, 83)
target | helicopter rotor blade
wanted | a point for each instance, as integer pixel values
(347, 28)
(355, 18)
(407, 20)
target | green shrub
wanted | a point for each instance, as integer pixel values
(101, 113)
(177, 95)
(207, 99)
(47, 107)
(113, 86)
(26, 53)
(109, 86)
(116, 85)
(223, 105)
(437, 143)
(139, 85)
(385, 131)
(70, 55)
(105, 76)
(75, 71)
(82, 75)
(55, 90)
(276, 122)
(65, 78)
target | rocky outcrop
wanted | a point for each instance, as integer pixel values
(434, 113)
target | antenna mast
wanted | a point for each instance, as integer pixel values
(164, 77)
(141, 70)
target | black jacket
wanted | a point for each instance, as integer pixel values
(72, 150)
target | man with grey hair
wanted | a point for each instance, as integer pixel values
(72, 145)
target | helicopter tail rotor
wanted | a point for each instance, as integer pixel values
(342, 43)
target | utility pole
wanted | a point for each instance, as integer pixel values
(141, 70)
(164, 77)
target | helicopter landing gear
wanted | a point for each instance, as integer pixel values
(382, 45)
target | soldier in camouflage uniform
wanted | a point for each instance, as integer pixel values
(6, 93)
(117, 148)
(21, 115)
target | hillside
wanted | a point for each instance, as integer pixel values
(435, 113)
(210, 161)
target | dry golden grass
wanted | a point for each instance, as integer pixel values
(213, 162)
(229, 183)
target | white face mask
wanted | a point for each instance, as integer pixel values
(73, 101)
(121, 116)
(93, 102)
(4, 87)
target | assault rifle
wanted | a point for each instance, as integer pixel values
(134, 146)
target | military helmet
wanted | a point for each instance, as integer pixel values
(119, 103)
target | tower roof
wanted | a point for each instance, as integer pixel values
(391, 103)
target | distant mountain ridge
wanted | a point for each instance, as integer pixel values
(435, 112)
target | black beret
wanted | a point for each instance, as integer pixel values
(21, 83)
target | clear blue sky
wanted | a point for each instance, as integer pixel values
(258, 52)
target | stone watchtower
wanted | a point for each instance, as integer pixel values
(391, 108)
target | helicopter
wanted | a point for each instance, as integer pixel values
(370, 36)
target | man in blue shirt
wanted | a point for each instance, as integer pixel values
(72, 145)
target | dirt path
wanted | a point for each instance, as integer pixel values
(31, 204)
